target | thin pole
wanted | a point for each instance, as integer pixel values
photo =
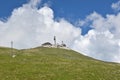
(11, 44)
(55, 41)
(13, 55)
(11, 47)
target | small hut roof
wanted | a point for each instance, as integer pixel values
(47, 43)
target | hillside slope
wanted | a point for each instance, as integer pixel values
(54, 64)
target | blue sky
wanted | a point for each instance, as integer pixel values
(91, 27)
(78, 9)
(71, 10)
(7, 6)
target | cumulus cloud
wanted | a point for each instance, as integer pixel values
(116, 6)
(34, 3)
(103, 41)
(29, 27)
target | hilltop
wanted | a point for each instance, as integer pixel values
(54, 64)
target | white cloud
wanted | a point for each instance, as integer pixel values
(116, 6)
(34, 3)
(102, 42)
(30, 27)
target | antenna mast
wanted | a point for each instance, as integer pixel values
(55, 41)
(11, 47)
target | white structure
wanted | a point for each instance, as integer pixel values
(48, 44)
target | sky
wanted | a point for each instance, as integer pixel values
(89, 27)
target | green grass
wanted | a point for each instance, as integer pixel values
(54, 64)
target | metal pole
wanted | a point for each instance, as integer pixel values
(11, 44)
(13, 55)
(12, 47)
(55, 41)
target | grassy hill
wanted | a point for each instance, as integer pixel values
(54, 64)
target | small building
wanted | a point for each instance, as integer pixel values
(55, 45)
(47, 44)
(63, 45)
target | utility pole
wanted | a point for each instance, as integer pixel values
(12, 49)
(55, 41)
(62, 42)
(11, 44)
